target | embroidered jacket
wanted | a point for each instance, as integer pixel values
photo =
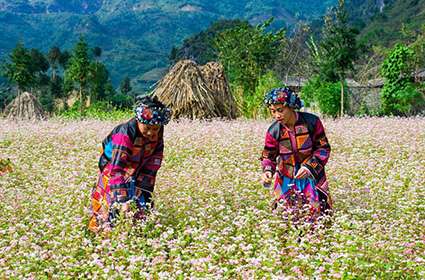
(131, 159)
(308, 147)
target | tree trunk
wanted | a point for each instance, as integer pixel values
(53, 73)
(81, 102)
(342, 99)
(19, 102)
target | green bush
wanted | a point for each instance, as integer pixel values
(100, 111)
(47, 102)
(329, 98)
(368, 111)
(401, 101)
(308, 92)
(254, 107)
(122, 101)
(325, 95)
(399, 95)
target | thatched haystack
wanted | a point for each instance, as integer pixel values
(186, 91)
(24, 106)
(213, 73)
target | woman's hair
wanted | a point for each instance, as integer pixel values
(149, 110)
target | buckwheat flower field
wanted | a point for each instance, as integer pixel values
(212, 217)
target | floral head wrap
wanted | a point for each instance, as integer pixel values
(283, 96)
(149, 110)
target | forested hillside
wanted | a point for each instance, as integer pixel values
(135, 36)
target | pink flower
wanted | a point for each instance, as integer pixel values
(408, 252)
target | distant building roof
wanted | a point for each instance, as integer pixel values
(379, 82)
(353, 83)
(420, 74)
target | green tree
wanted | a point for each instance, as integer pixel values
(64, 59)
(27, 69)
(322, 95)
(78, 70)
(99, 76)
(125, 86)
(109, 90)
(57, 60)
(53, 56)
(47, 101)
(118, 99)
(123, 98)
(266, 83)
(56, 87)
(18, 70)
(5, 94)
(399, 94)
(97, 52)
(38, 67)
(246, 53)
(334, 55)
(173, 56)
(418, 47)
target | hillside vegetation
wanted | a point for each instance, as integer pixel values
(136, 36)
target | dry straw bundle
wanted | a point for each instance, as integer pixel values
(215, 78)
(24, 106)
(190, 92)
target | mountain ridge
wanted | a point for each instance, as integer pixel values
(135, 36)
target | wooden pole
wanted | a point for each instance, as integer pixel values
(342, 99)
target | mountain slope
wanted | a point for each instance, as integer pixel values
(136, 36)
(382, 22)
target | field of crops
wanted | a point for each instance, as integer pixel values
(212, 216)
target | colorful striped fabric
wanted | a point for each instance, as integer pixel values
(286, 151)
(128, 167)
(293, 193)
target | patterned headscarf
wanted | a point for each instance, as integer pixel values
(283, 96)
(149, 110)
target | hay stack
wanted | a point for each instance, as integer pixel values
(213, 73)
(24, 106)
(185, 90)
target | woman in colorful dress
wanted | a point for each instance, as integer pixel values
(296, 151)
(132, 154)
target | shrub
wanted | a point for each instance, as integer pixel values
(399, 95)
(325, 95)
(397, 100)
(254, 103)
(308, 92)
(99, 110)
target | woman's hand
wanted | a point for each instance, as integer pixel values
(302, 173)
(125, 207)
(266, 178)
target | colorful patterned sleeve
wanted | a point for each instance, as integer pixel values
(270, 153)
(151, 167)
(121, 151)
(321, 150)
